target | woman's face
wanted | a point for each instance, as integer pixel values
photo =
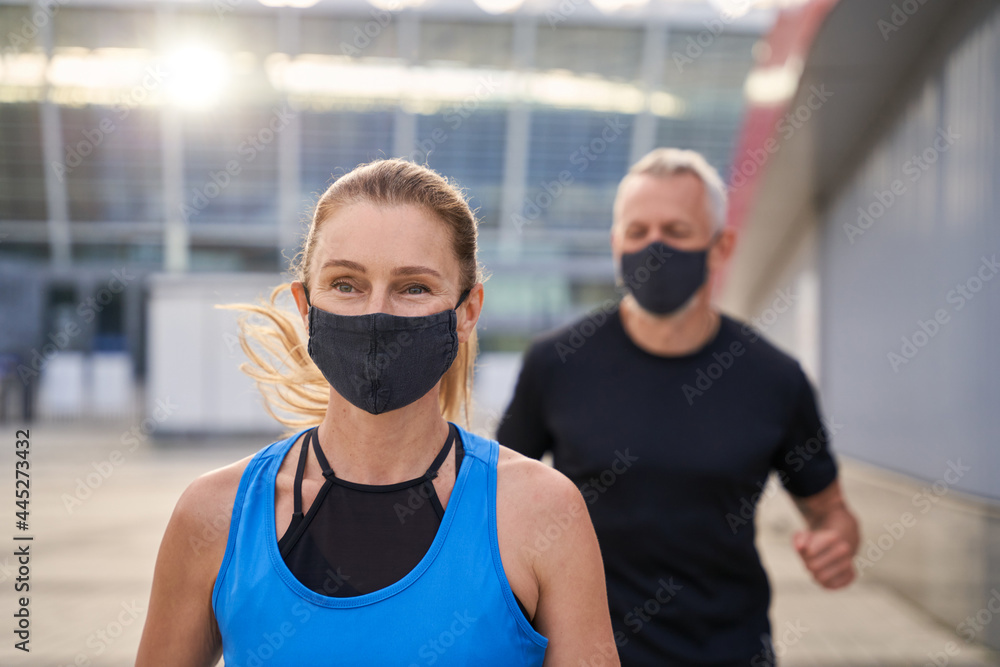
(395, 260)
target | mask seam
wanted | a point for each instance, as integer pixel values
(370, 364)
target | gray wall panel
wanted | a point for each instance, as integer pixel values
(943, 403)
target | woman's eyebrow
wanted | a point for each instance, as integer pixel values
(398, 271)
(414, 271)
(343, 263)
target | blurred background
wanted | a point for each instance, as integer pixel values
(157, 158)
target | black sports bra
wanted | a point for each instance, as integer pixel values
(359, 538)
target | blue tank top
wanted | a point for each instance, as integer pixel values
(455, 607)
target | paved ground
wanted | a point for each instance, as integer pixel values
(92, 562)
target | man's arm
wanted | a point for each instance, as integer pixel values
(808, 470)
(828, 545)
(522, 427)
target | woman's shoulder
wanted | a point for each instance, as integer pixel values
(545, 482)
(203, 512)
(209, 499)
(538, 495)
(214, 486)
(194, 542)
(205, 507)
(522, 473)
(542, 523)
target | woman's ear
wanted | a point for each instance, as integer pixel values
(299, 293)
(468, 312)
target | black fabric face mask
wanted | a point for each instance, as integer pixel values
(663, 278)
(381, 362)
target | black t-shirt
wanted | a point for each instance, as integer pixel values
(671, 455)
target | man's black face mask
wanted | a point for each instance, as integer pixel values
(663, 278)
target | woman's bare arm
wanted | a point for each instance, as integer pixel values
(549, 540)
(180, 629)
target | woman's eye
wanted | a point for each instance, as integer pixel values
(416, 289)
(343, 288)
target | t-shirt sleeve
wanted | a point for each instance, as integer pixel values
(523, 426)
(804, 461)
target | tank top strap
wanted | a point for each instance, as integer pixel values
(324, 464)
(300, 473)
(432, 471)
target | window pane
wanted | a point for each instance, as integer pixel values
(468, 147)
(592, 149)
(134, 255)
(230, 165)
(228, 33)
(335, 143)
(724, 63)
(710, 81)
(19, 28)
(474, 44)
(23, 252)
(113, 170)
(712, 133)
(360, 37)
(608, 52)
(94, 28)
(22, 177)
(214, 259)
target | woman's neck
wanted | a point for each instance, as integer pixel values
(382, 449)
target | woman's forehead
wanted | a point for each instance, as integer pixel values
(385, 238)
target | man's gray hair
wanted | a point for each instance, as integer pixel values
(672, 161)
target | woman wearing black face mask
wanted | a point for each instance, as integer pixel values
(378, 532)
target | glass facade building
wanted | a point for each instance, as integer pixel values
(195, 137)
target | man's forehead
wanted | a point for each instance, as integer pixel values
(668, 196)
(678, 185)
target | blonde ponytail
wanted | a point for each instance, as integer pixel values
(456, 385)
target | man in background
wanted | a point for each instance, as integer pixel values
(669, 416)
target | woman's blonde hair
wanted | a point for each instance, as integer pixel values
(285, 374)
